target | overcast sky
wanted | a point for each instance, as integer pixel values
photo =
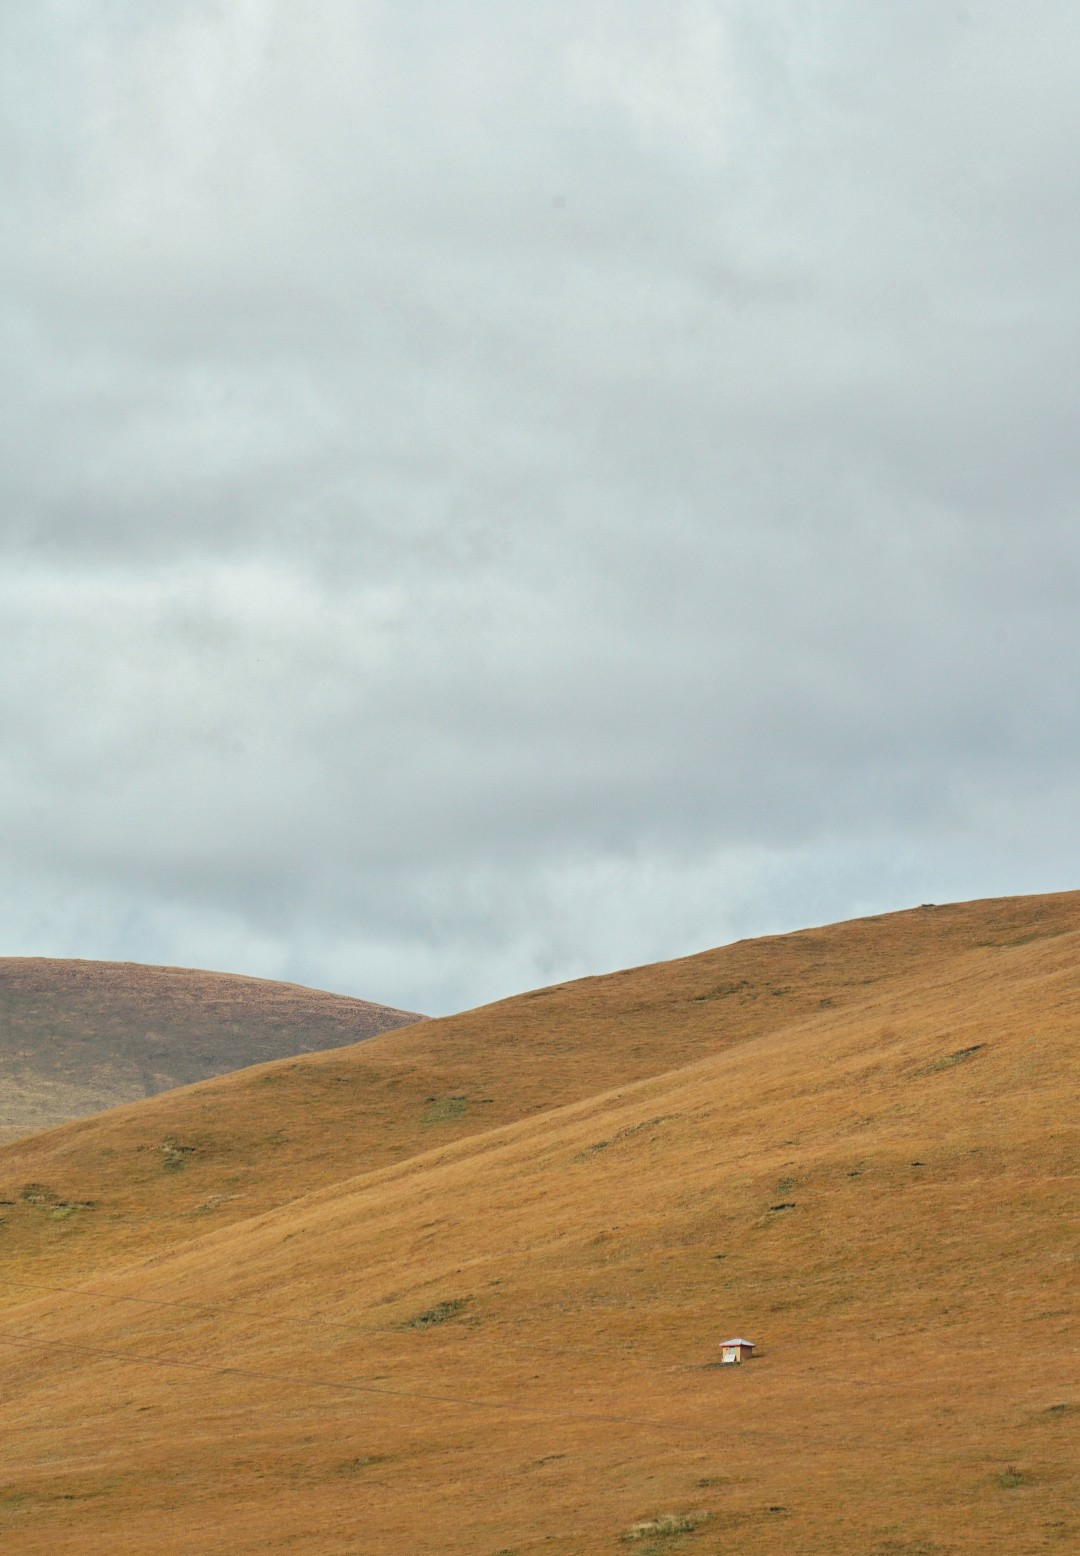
(496, 492)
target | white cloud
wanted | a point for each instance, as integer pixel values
(493, 493)
(670, 72)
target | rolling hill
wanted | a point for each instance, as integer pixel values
(80, 1037)
(460, 1289)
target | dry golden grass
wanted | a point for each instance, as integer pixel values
(495, 1330)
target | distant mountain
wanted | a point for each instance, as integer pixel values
(79, 1037)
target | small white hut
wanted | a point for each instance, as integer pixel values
(732, 1351)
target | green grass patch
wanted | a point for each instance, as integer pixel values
(441, 1313)
(947, 1061)
(623, 1134)
(38, 1194)
(443, 1110)
(1012, 1477)
(174, 1156)
(667, 1526)
(721, 992)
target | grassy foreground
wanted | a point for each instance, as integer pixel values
(460, 1289)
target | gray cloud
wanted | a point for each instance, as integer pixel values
(492, 494)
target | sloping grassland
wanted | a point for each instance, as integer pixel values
(420, 1320)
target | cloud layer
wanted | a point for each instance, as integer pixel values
(494, 493)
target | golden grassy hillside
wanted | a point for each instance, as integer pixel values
(492, 1328)
(80, 1037)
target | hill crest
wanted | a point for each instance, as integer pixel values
(80, 1037)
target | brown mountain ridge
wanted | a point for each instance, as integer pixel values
(77, 1037)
